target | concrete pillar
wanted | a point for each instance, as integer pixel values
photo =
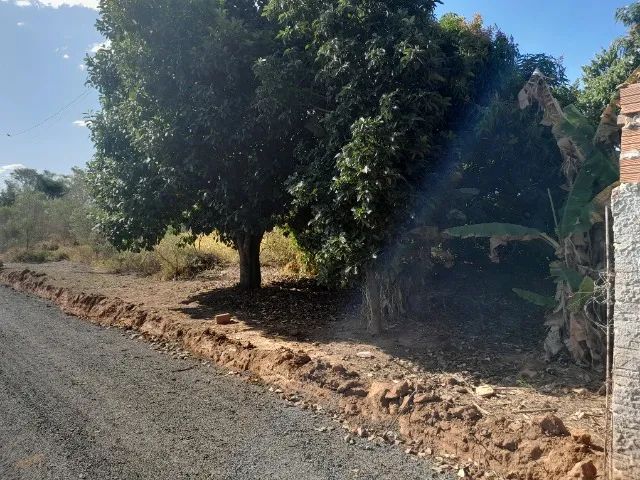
(625, 461)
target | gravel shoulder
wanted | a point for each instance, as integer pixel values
(80, 401)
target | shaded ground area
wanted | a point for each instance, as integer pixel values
(471, 322)
(79, 401)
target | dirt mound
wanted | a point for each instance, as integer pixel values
(433, 415)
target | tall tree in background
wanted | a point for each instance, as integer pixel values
(48, 184)
(177, 139)
(611, 67)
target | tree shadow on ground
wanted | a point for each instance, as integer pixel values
(469, 322)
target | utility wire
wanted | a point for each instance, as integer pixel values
(50, 117)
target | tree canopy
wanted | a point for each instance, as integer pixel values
(46, 183)
(335, 118)
(177, 139)
(612, 66)
(387, 96)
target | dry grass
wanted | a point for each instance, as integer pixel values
(173, 258)
(281, 250)
(213, 244)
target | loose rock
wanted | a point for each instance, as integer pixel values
(553, 426)
(365, 354)
(397, 391)
(485, 391)
(426, 398)
(224, 319)
(584, 470)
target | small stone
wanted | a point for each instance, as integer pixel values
(365, 354)
(584, 470)
(506, 442)
(582, 437)
(362, 432)
(553, 426)
(468, 413)
(462, 473)
(397, 391)
(224, 319)
(426, 398)
(485, 391)
(377, 394)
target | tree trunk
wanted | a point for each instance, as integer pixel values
(248, 245)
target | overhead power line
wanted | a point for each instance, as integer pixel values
(50, 117)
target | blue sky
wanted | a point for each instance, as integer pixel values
(43, 45)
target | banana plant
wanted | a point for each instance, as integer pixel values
(591, 171)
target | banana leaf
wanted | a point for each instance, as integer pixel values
(500, 234)
(505, 232)
(583, 295)
(564, 274)
(535, 298)
(597, 172)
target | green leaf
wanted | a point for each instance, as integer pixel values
(535, 298)
(504, 232)
(562, 273)
(597, 172)
(583, 295)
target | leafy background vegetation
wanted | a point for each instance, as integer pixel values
(334, 138)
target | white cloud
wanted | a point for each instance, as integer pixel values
(20, 24)
(66, 56)
(5, 172)
(99, 46)
(81, 123)
(7, 169)
(93, 4)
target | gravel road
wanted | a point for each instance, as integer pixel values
(82, 402)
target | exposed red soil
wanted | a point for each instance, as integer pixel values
(416, 386)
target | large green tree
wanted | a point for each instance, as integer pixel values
(612, 66)
(363, 80)
(177, 139)
(387, 100)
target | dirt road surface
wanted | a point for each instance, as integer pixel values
(82, 402)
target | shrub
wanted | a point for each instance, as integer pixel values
(281, 250)
(142, 263)
(213, 244)
(38, 255)
(179, 260)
